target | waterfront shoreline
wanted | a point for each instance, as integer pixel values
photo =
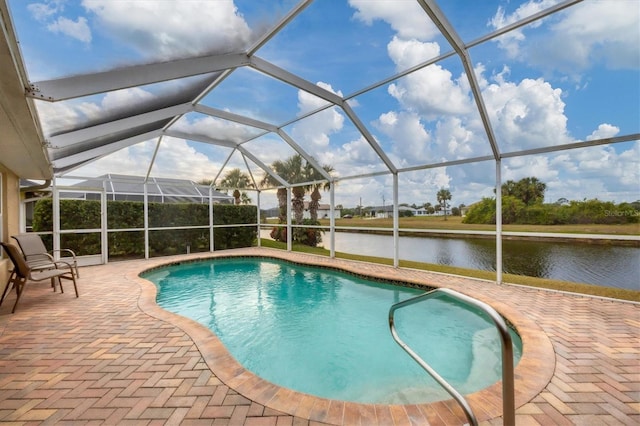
(604, 239)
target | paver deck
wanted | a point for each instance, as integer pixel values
(112, 357)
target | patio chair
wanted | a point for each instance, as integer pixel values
(22, 273)
(37, 256)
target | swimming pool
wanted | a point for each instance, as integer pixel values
(324, 332)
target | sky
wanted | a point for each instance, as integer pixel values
(570, 77)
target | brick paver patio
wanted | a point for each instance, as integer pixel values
(112, 357)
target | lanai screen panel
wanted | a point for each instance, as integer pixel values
(332, 139)
(255, 95)
(426, 117)
(214, 128)
(336, 44)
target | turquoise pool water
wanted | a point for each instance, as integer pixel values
(325, 333)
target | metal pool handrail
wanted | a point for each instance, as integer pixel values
(508, 398)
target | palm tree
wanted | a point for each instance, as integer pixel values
(313, 174)
(279, 168)
(444, 195)
(296, 170)
(235, 178)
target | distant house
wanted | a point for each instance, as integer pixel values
(324, 211)
(382, 212)
(379, 212)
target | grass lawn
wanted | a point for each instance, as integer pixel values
(594, 290)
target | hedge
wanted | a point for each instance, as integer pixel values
(515, 211)
(122, 215)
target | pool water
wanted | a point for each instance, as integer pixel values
(326, 333)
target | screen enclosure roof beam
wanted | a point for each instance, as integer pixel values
(447, 30)
(101, 151)
(77, 136)
(295, 81)
(133, 76)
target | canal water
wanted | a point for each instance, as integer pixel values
(598, 264)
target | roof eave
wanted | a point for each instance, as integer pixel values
(23, 152)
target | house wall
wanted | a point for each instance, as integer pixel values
(323, 214)
(9, 215)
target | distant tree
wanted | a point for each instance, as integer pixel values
(444, 195)
(312, 174)
(429, 208)
(235, 178)
(455, 211)
(529, 190)
(296, 169)
(347, 211)
(279, 167)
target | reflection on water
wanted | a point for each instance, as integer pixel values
(599, 264)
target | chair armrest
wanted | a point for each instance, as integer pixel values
(65, 250)
(61, 264)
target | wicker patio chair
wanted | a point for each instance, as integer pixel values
(22, 273)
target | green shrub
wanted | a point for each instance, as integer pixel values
(80, 214)
(482, 212)
(575, 213)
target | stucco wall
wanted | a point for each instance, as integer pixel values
(10, 193)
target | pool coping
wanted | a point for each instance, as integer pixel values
(532, 373)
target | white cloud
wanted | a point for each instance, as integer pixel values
(522, 167)
(410, 141)
(588, 34)
(170, 29)
(42, 11)
(133, 96)
(604, 32)
(406, 17)
(314, 132)
(603, 131)
(132, 160)
(308, 102)
(55, 117)
(358, 153)
(458, 140)
(511, 41)
(526, 114)
(432, 92)
(62, 116)
(215, 128)
(176, 159)
(408, 53)
(605, 172)
(75, 29)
